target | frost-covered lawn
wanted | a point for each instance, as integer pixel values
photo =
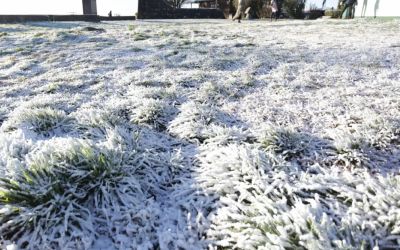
(200, 134)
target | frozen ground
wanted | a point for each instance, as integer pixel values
(200, 134)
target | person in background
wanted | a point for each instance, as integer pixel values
(353, 9)
(348, 10)
(110, 14)
(279, 12)
(240, 11)
(274, 9)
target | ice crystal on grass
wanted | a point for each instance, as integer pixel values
(148, 113)
(195, 119)
(43, 121)
(93, 123)
(303, 148)
(13, 150)
(164, 136)
(290, 144)
(153, 113)
(270, 206)
(49, 197)
(140, 37)
(70, 194)
(222, 135)
(212, 92)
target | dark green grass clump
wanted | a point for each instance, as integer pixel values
(55, 191)
(42, 121)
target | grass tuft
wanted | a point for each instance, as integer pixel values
(287, 143)
(54, 187)
(43, 121)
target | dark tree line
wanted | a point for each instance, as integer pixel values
(293, 8)
(175, 3)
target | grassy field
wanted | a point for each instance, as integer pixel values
(200, 135)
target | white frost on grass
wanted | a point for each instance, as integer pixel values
(200, 134)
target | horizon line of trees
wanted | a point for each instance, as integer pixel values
(294, 8)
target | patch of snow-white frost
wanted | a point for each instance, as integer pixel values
(200, 134)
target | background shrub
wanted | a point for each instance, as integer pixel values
(334, 13)
(294, 8)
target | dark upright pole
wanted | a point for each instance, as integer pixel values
(141, 9)
(89, 7)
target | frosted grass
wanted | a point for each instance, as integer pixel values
(200, 135)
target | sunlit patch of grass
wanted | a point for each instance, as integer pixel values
(152, 113)
(248, 80)
(19, 49)
(287, 143)
(68, 35)
(39, 34)
(141, 37)
(213, 92)
(197, 122)
(52, 193)
(93, 123)
(52, 88)
(185, 44)
(351, 158)
(173, 53)
(163, 94)
(323, 176)
(264, 204)
(67, 192)
(148, 113)
(43, 121)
